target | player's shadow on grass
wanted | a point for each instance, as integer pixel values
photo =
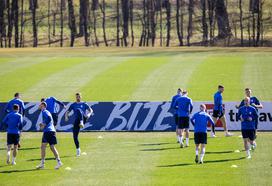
(209, 161)
(14, 171)
(30, 148)
(39, 159)
(160, 149)
(220, 152)
(153, 144)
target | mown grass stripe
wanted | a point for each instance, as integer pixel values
(119, 82)
(163, 82)
(215, 70)
(22, 79)
(65, 83)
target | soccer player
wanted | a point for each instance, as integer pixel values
(82, 112)
(253, 102)
(248, 116)
(52, 107)
(13, 122)
(200, 121)
(174, 98)
(49, 136)
(184, 109)
(219, 111)
(18, 101)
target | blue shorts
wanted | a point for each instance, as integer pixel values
(250, 134)
(13, 139)
(183, 122)
(49, 137)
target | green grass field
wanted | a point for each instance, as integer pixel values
(139, 159)
(136, 74)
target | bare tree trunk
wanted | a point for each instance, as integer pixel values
(153, 22)
(190, 21)
(103, 10)
(33, 7)
(10, 23)
(125, 14)
(221, 13)
(178, 4)
(2, 22)
(117, 23)
(61, 21)
(131, 22)
(72, 22)
(204, 23)
(160, 22)
(15, 10)
(241, 22)
(259, 22)
(168, 25)
(211, 7)
(143, 35)
(48, 22)
(94, 28)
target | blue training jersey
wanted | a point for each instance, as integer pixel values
(9, 106)
(218, 101)
(13, 122)
(47, 120)
(184, 106)
(79, 105)
(253, 100)
(250, 117)
(52, 104)
(200, 121)
(174, 98)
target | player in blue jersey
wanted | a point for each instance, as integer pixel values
(13, 121)
(174, 98)
(184, 109)
(49, 136)
(200, 121)
(248, 116)
(52, 103)
(82, 112)
(219, 111)
(16, 100)
(253, 102)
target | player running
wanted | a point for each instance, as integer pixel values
(174, 98)
(52, 107)
(248, 116)
(82, 112)
(184, 107)
(18, 101)
(14, 123)
(253, 102)
(49, 136)
(219, 111)
(200, 121)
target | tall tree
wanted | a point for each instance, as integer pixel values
(222, 17)
(33, 5)
(94, 8)
(211, 10)
(190, 21)
(72, 22)
(241, 22)
(15, 13)
(62, 8)
(117, 23)
(103, 10)
(179, 22)
(204, 23)
(131, 21)
(125, 14)
(153, 22)
(168, 20)
(48, 22)
(2, 21)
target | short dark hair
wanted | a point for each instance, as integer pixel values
(42, 99)
(15, 107)
(16, 94)
(44, 104)
(78, 94)
(220, 86)
(247, 89)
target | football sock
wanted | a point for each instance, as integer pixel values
(187, 141)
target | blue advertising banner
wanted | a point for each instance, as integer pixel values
(136, 116)
(108, 116)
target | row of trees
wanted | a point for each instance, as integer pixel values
(133, 22)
